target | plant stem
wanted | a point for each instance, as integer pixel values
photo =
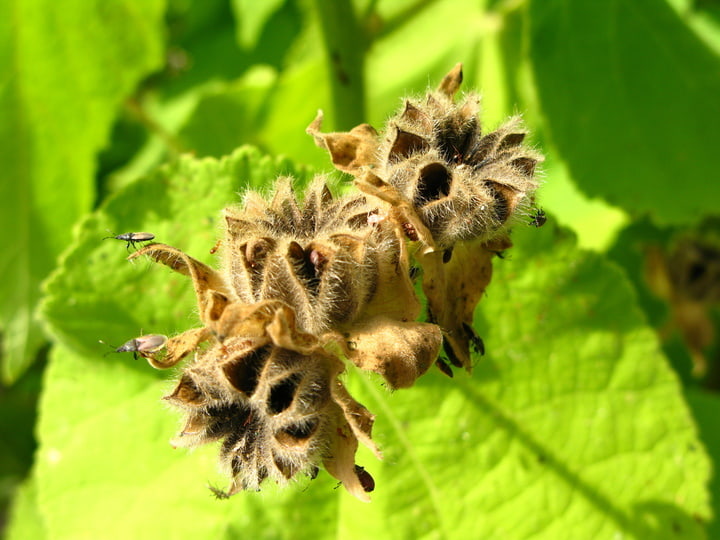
(345, 44)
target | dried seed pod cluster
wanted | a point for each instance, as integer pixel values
(449, 186)
(310, 282)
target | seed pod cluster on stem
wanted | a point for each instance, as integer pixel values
(452, 188)
(308, 283)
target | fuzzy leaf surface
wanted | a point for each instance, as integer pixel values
(573, 425)
(559, 423)
(97, 294)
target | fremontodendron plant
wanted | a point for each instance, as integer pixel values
(309, 283)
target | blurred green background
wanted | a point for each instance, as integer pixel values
(622, 97)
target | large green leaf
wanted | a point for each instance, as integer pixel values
(18, 412)
(229, 115)
(180, 203)
(572, 426)
(706, 408)
(630, 97)
(66, 66)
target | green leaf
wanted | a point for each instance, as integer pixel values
(65, 69)
(559, 423)
(291, 110)
(573, 421)
(252, 17)
(96, 294)
(25, 518)
(273, 114)
(202, 46)
(706, 408)
(268, 106)
(630, 97)
(595, 223)
(419, 43)
(230, 115)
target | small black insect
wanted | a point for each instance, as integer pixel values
(410, 231)
(450, 353)
(133, 238)
(218, 493)
(539, 219)
(476, 342)
(144, 344)
(366, 480)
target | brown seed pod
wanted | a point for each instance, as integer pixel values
(448, 185)
(263, 386)
(463, 184)
(277, 412)
(321, 256)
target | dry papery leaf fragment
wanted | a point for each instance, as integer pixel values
(307, 283)
(451, 188)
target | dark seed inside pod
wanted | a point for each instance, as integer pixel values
(296, 434)
(406, 144)
(243, 372)
(283, 394)
(433, 183)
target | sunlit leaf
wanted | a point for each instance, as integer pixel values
(706, 408)
(25, 519)
(66, 69)
(115, 300)
(573, 419)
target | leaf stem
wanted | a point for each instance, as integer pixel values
(346, 44)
